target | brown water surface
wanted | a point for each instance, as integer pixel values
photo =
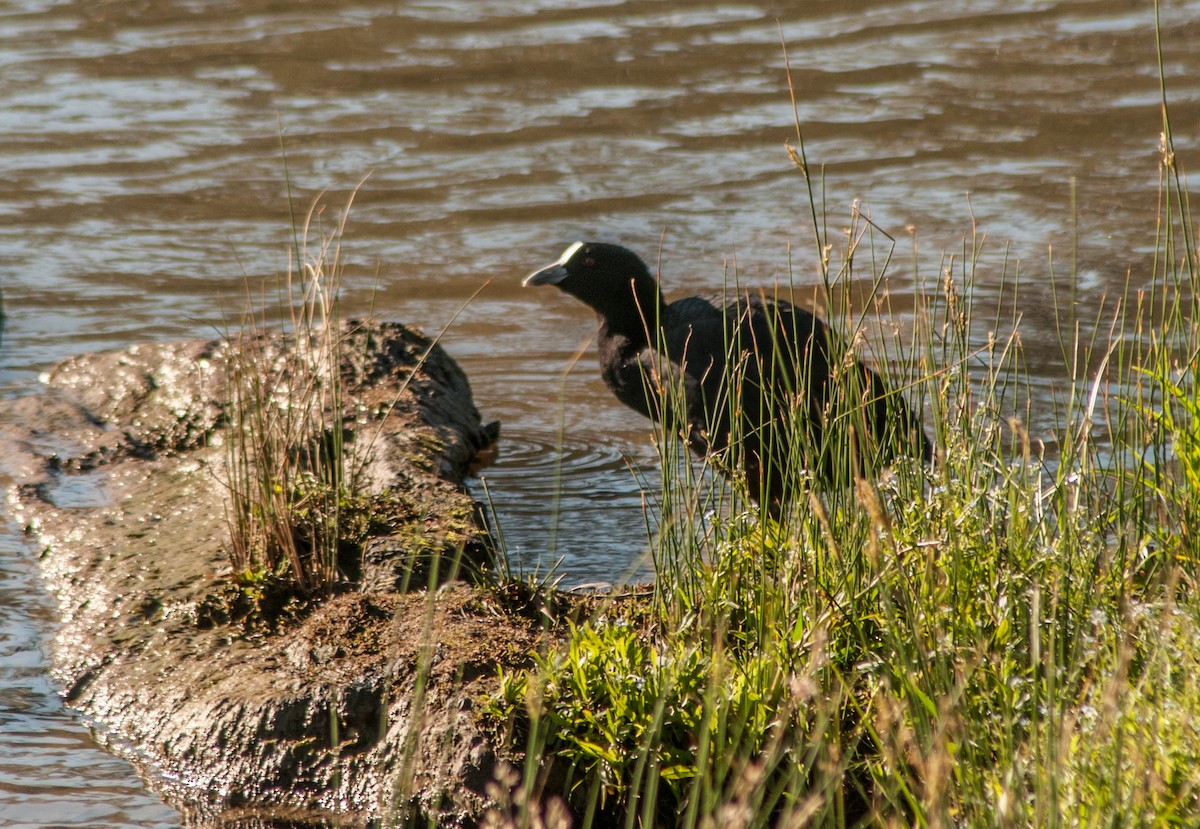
(143, 181)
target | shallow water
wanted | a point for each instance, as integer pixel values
(144, 180)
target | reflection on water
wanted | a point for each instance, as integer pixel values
(144, 181)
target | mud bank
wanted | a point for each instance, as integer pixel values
(349, 711)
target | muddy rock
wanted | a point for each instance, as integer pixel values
(352, 710)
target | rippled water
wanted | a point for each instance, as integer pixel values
(144, 179)
(51, 772)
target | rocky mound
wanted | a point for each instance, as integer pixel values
(349, 710)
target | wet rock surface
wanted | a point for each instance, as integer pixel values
(351, 711)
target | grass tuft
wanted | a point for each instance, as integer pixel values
(291, 478)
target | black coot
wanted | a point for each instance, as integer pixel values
(763, 391)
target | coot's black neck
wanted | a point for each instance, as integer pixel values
(632, 312)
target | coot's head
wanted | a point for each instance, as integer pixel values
(609, 278)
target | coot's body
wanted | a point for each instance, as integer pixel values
(757, 381)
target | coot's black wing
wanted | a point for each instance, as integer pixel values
(845, 422)
(676, 379)
(783, 372)
(762, 382)
(755, 375)
(689, 360)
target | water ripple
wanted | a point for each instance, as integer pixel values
(567, 499)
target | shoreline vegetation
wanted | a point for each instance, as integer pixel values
(1008, 639)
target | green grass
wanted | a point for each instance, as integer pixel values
(1007, 639)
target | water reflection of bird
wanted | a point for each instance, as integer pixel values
(798, 402)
